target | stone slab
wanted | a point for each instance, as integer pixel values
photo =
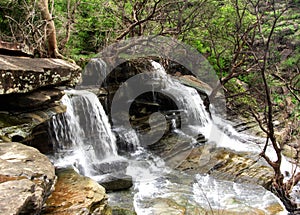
(25, 74)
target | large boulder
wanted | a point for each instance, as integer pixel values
(76, 194)
(27, 178)
(24, 74)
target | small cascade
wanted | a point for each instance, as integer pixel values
(173, 124)
(83, 134)
(94, 73)
(186, 98)
(127, 140)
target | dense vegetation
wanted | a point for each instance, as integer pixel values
(254, 46)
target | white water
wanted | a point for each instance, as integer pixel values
(154, 183)
(84, 135)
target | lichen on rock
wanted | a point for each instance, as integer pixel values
(24, 74)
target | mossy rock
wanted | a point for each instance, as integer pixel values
(8, 120)
(122, 211)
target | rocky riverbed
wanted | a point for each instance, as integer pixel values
(177, 164)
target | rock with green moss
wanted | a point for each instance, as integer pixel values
(122, 211)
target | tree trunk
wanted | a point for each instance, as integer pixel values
(50, 29)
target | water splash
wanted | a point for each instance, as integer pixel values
(216, 194)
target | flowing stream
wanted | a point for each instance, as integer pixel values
(83, 137)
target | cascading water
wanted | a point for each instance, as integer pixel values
(186, 98)
(94, 73)
(130, 140)
(83, 134)
(155, 183)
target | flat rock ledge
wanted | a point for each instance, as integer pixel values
(225, 164)
(25, 74)
(27, 178)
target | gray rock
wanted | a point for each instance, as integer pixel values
(116, 182)
(26, 179)
(111, 167)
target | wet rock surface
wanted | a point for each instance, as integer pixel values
(24, 117)
(36, 100)
(111, 167)
(29, 127)
(113, 175)
(76, 194)
(26, 179)
(181, 207)
(229, 165)
(114, 182)
(122, 211)
(24, 74)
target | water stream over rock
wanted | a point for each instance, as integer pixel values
(83, 135)
(84, 139)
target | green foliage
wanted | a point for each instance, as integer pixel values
(248, 78)
(243, 99)
(12, 12)
(91, 22)
(278, 99)
(217, 36)
(292, 61)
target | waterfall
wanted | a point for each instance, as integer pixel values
(83, 138)
(83, 135)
